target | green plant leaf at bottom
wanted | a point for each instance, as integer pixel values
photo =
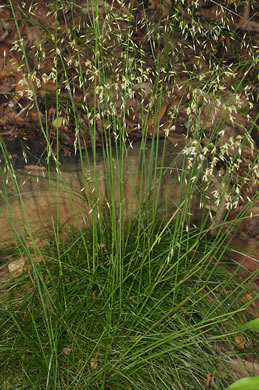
(252, 325)
(247, 383)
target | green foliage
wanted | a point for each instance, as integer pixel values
(248, 383)
(251, 325)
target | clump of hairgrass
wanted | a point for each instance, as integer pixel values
(135, 317)
(156, 318)
(141, 304)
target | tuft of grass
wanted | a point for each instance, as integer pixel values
(160, 318)
(140, 302)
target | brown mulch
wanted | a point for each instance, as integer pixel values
(48, 74)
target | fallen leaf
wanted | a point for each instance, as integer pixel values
(155, 121)
(94, 362)
(67, 350)
(16, 267)
(240, 341)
